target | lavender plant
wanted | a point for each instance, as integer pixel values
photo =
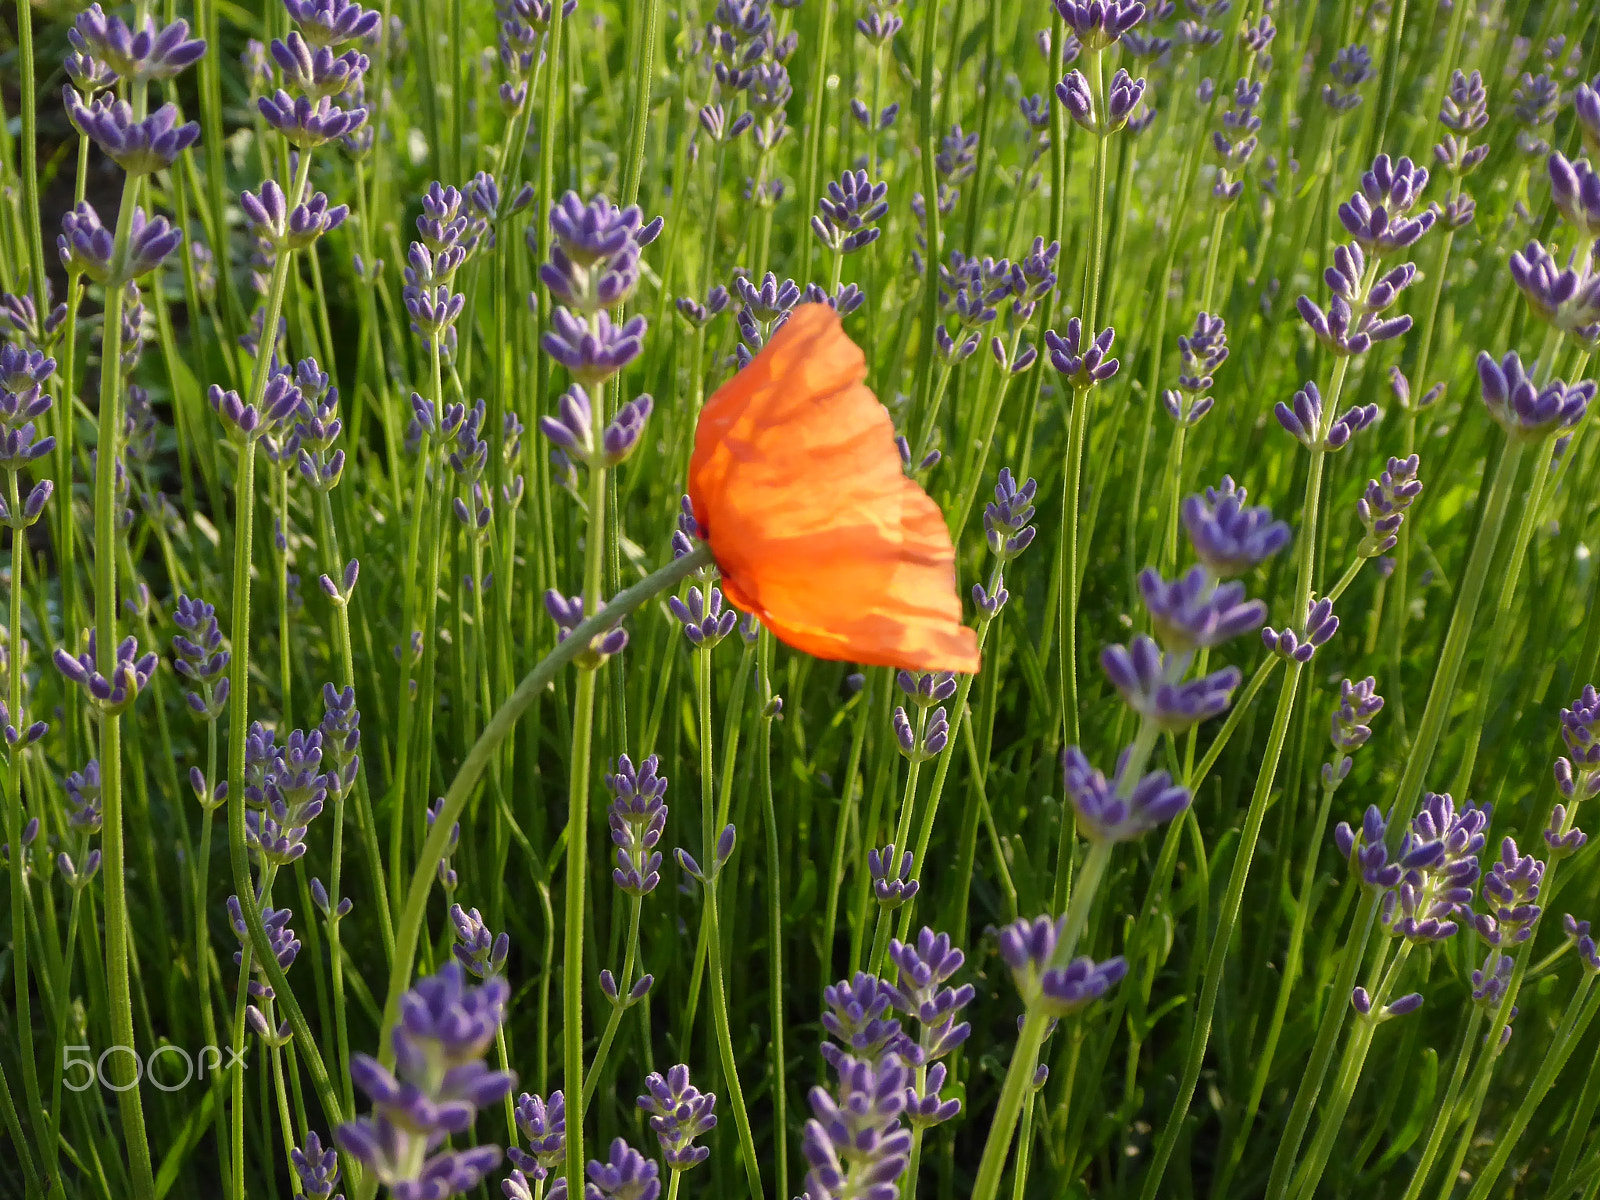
(285, 294)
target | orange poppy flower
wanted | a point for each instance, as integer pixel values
(797, 485)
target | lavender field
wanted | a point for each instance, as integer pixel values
(857, 599)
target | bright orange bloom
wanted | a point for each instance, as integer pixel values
(797, 484)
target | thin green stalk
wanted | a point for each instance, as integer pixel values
(578, 830)
(1451, 654)
(1444, 1114)
(23, 1022)
(117, 931)
(1327, 1039)
(719, 999)
(618, 1006)
(1025, 1056)
(1355, 1056)
(1579, 1012)
(780, 1091)
(1499, 629)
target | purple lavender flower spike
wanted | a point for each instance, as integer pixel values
(1351, 67)
(935, 735)
(1150, 683)
(858, 1017)
(199, 657)
(1299, 646)
(317, 70)
(544, 1126)
(1586, 106)
(138, 147)
(638, 817)
(926, 688)
(592, 352)
(878, 26)
(1563, 296)
(849, 213)
(924, 969)
(1229, 537)
(856, 1143)
(1119, 809)
(480, 952)
(679, 1113)
(1083, 365)
(86, 246)
(1575, 192)
(1029, 949)
(1382, 508)
(1366, 852)
(333, 22)
(316, 1168)
(1535, 101)
(1098, 24)
(705, 622)
(892, 883)
(290, 229)
(1509, 891)
(928, 1108)
(436, 1089)
(130, 673)
(622, 436)
(1526, 412)
(151, 52)
(307, 123)
(1349, 730)
(1190, 613)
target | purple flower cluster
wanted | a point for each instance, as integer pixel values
(1122, 98)
(1527, 411)
(638, 817)
(1383, 506)
(283, 945)
(679, 1113)
(83, 820)
(199, 657)
(1301, 643)
(704, 619)
(1349, 729)
(1029, 948)
(327, 102)
(1306, 421)
(438, 1084)
(115, 693)
(856, 1143)
(1125, 807)
(544, 1125)
(479, 951)
(1201, 353)
(849, 213)
(291, 790)
(23, 401)
(1351, 67)
(1081, 359)
(892, 882)
(1509, 891)
(87, 247)
(568, 613)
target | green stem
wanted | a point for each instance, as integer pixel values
(1019, 1075)
(719, 999)
(117, 932)
(1580, 1011)
(1445, 1113)
(578, 831)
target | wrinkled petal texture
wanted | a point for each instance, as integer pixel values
(797, 482)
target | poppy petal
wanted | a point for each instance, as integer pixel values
(797, 484)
